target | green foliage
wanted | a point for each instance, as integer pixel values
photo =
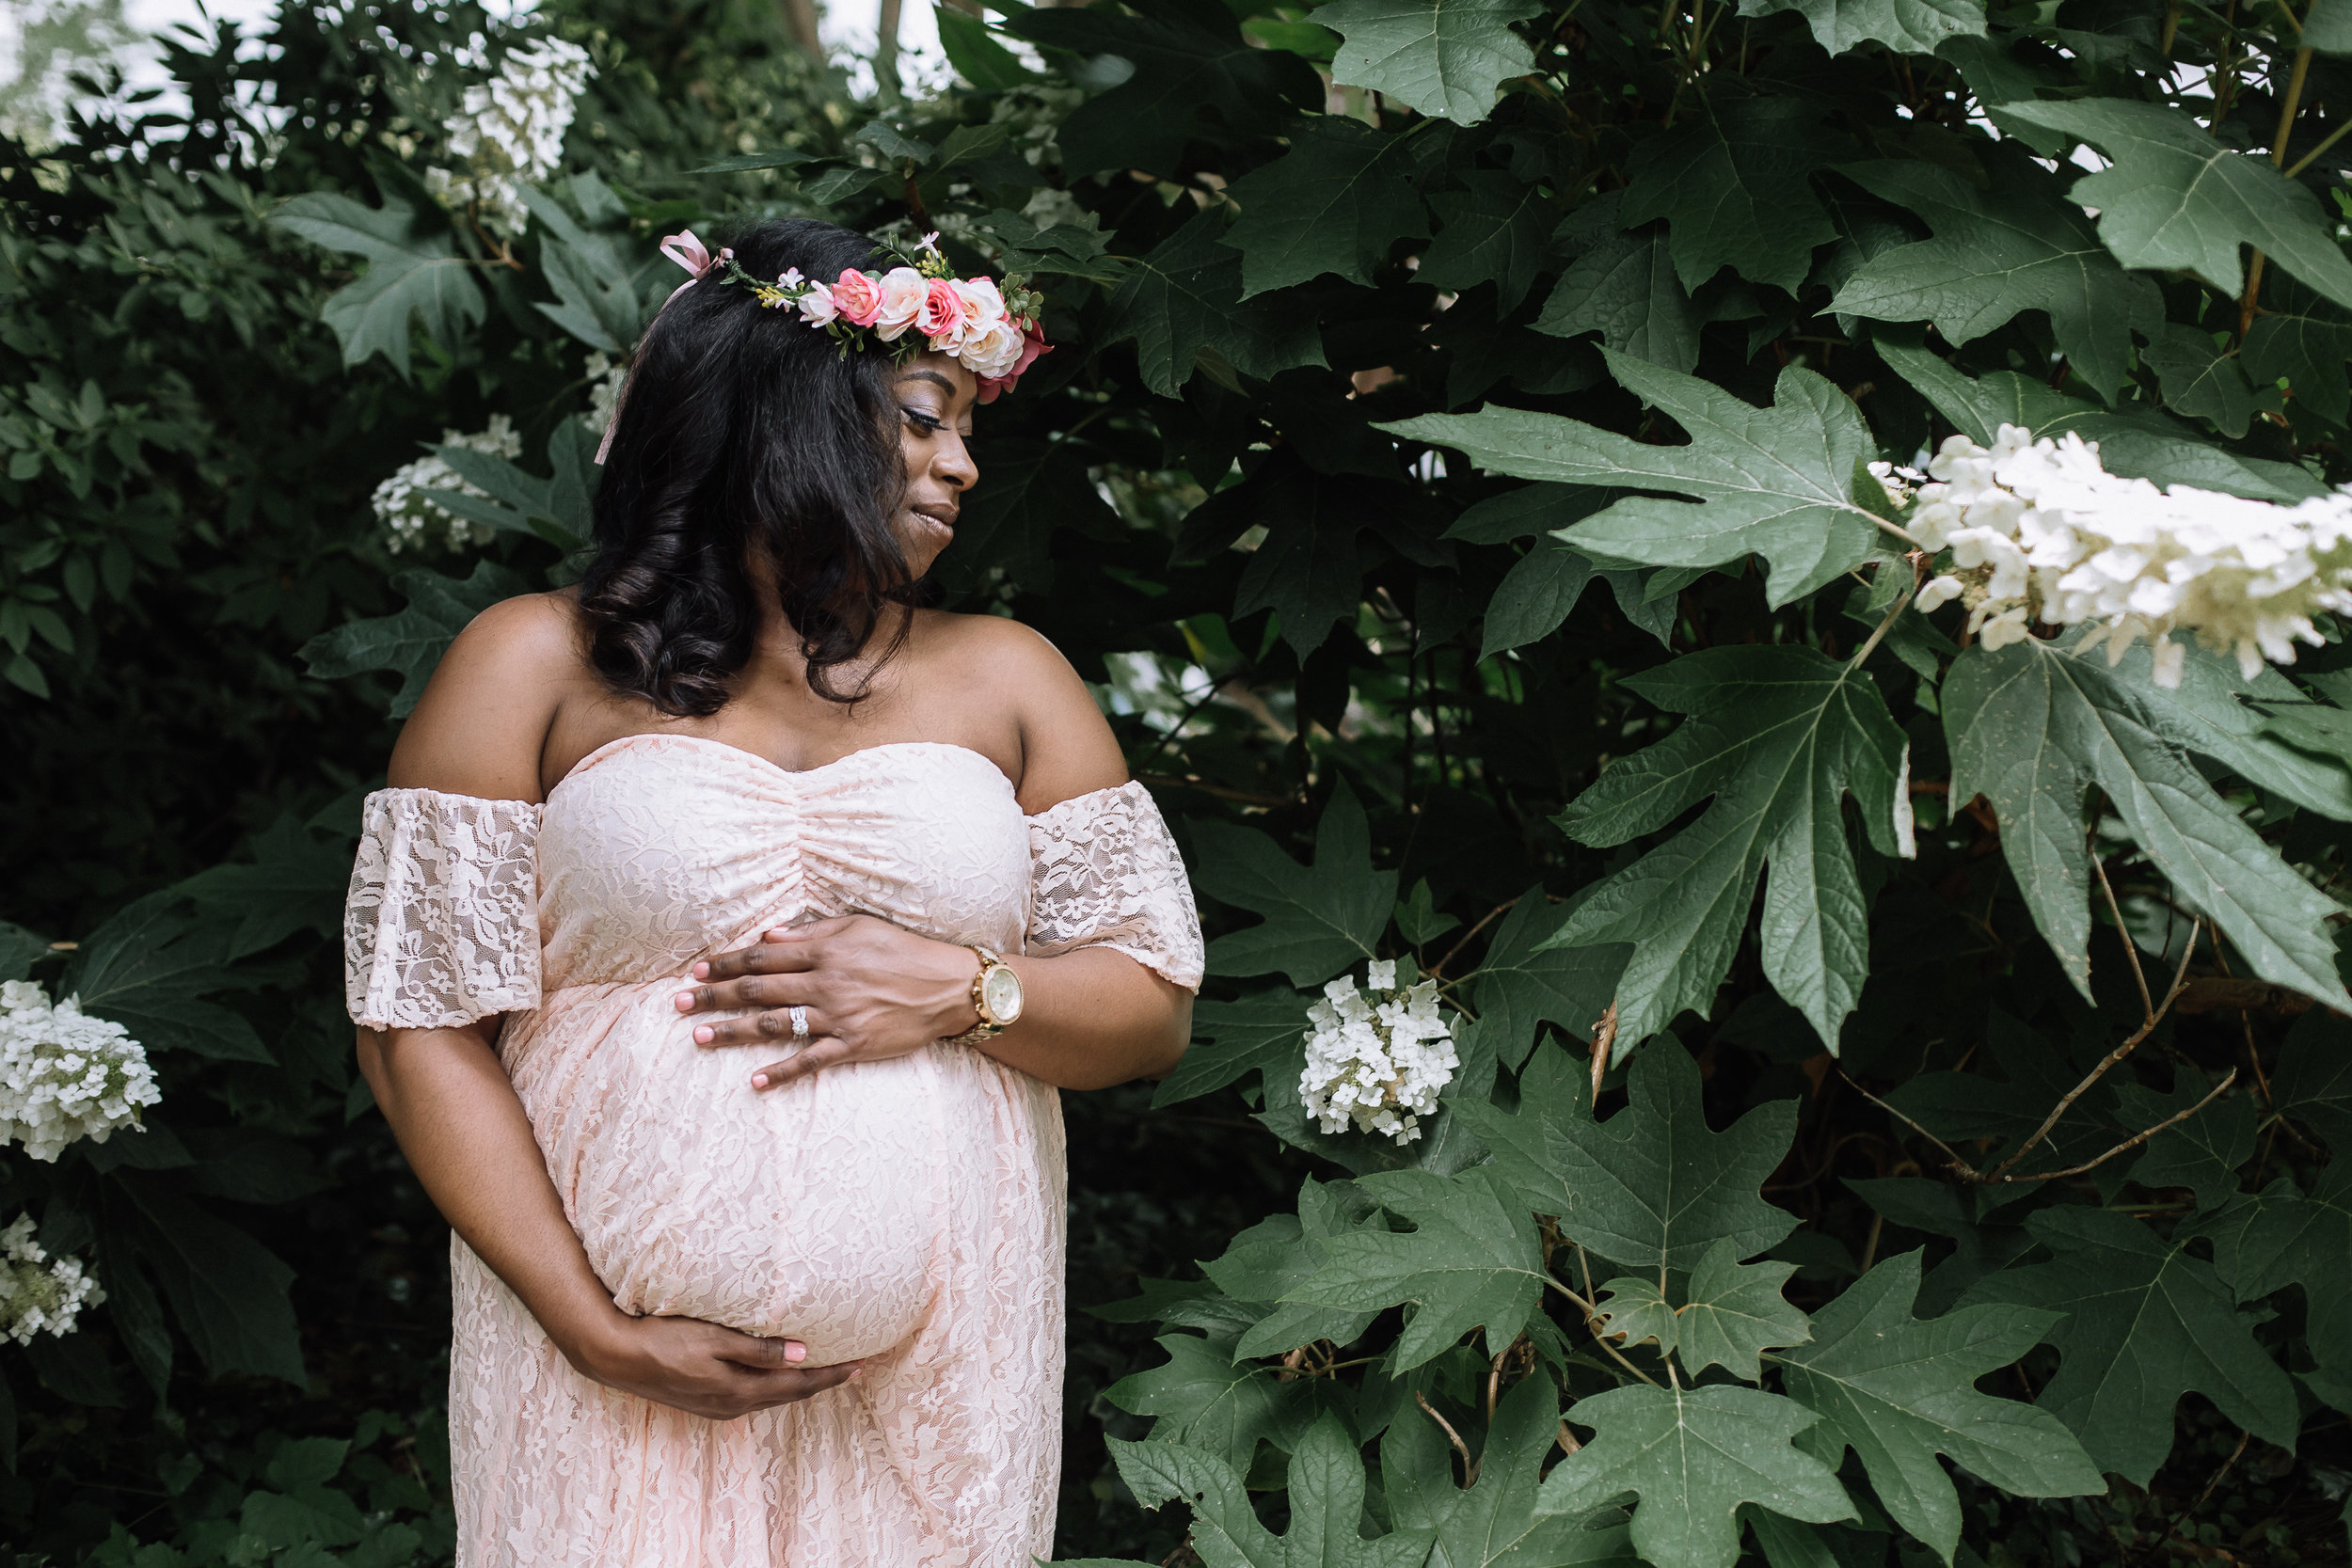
(1782, 920)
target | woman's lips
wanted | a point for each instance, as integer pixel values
(944, 515)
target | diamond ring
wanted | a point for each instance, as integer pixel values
(799, 1025)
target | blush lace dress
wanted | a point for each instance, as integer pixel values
(908, 1212)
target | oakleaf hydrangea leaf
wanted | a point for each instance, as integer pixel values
(1732, 181)
(1334, 204)
(2202, 1153)
(412, 273)
(1470, 1261)
(1494, 1524)
(1778, 736)
(411, 642)
(1651, 1188)
(2176, 198)
(1267, 1261)
(1732, 1312)
(1523, 985)
(2313, 1083)
(1205, 1400)
(1443, 58)
(1320, 919)
(1693, 1455)
(1184, 297)
(2032, 728)
(2145, 1323)
(1913, 26)
(2281, 1238)
(1898, 1391)
(1261, 1030)
(1774, 482)
(1994, 253)
(1497, 228)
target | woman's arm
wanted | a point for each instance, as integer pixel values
(479, 730)
(1091, 1018)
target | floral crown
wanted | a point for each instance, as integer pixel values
(915, 306)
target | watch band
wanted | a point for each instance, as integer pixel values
(984, 1030)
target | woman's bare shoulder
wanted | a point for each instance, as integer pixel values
(1067, 748)
(484, 720)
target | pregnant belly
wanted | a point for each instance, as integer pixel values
(811, 1211)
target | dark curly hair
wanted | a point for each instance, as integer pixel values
(745, 429)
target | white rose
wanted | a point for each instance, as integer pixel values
(902, 292)
(817, 306)
(991, 350)
(983, 306)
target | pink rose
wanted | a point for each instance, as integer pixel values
(943, 316)
(818, 305)
(857, 297)
(903, 291)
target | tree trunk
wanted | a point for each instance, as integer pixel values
(800, 17)
(887, 50)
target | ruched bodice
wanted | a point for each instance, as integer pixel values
(659, 849)
(906, 1212)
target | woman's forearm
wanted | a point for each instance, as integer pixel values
(465, 1134)
(1093, 1018)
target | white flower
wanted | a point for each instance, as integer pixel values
(902, 292)
(510, 130)
(817, 306)
(605, 376)
(406, 511)
(993, 349)
(64, 1075)
(2039, 530)
(35, 1292)
(1376, 1060)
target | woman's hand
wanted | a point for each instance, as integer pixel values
(872, 990)
(702, 1368)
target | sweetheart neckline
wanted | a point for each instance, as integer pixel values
(774, 766)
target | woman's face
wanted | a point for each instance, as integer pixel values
(935, 398)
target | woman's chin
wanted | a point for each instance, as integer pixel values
(924, 539)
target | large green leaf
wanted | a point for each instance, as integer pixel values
(2015, 247)
(1733, 182)
(1028, 489)
(293, 881)
(1334, 204)
(1263, 1030)
(2144, 1323)
(1624, 287)
(1775, 482)
(2033, 728)
(2176, 198)
(2202, 1153)
(1728, 1313)
(1523, 985)
(2267, 1242)
(1205, 1399)
(1471, 1261)
(1693, 1455)
(1184, 297)
(147, 968)
(1898, 1391)
(2313, 1083)
(411, 642)
(1444, 59)
(1493, 1524)
(412, 272)
(2142, 445)
(1269, 1258)
(1320, 919)
(1653, 1187)
(1913, 26)
(2216, 712)
(1778, 737)
(2300, 338)
(227, 1290)
(1496, 228)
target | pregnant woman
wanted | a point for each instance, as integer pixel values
(720, 943)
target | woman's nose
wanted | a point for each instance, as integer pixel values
(954, 463)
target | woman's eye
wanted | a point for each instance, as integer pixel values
(923, 422)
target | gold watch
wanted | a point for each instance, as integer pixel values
(995, 997)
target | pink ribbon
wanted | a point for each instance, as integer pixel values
(689, 253)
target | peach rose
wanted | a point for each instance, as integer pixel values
(990, 349)
(1033, 345)
(857, 297)
(903, 291)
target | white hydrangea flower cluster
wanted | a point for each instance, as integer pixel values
(64, 1075)
(406, 511)
(1035, 112)
(2039, 530)
(39, 1292)
(1376, 1058)
(510, 132)
(605, 376)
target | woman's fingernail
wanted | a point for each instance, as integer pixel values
(701, 971)
(855, 1372)
(683, 1002)
(795, 1352)
(759, 1080)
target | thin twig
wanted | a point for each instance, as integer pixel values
(1592, 1326)
(1470, 1465)
(1483, 921)
(2131, 948)
(2206, 1496)
(2132, 1142)
(2312, 156)
(1604, 1043)
(2156, 1016)
(1902, 602)
(1951, 1155)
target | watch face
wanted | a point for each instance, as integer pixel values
(1001, 990)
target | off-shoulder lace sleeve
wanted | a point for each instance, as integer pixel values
(441, 925)
(1103, 871)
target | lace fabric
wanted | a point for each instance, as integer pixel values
(909, 1213)
(1104, 872)
(441, 922)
